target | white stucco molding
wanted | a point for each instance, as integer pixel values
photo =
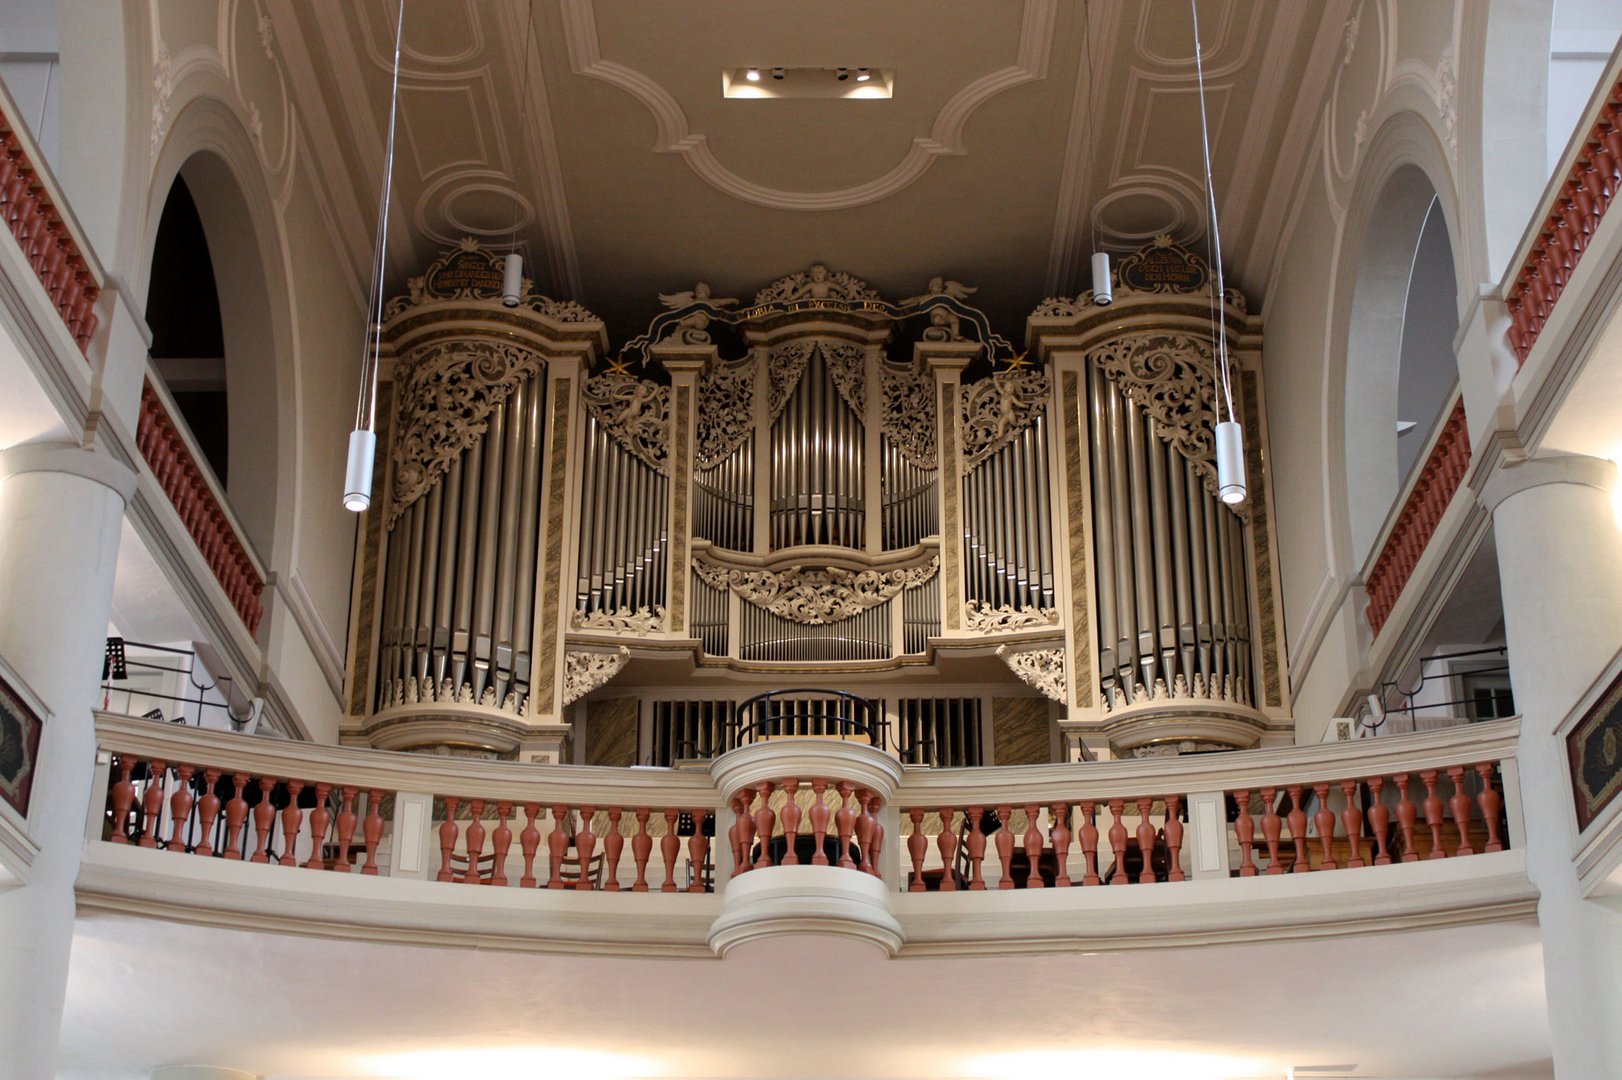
(1549, 469)
(61, 457)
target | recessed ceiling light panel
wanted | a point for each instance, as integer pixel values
(835, 83)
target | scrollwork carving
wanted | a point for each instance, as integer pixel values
(415, 691)
(584, 671)
(817, 283)
(621, 620)
(444, 397)
(469, 272)
(1169, 375)
(726, 412)
(1040, 669)
(784, 367)
(985, 618)
(848, 366)
(635, 412)
(908, 414)
(816, 596)
(998, 408)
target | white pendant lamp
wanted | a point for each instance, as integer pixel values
(512, 279)
(1102, 295)
(363, 440)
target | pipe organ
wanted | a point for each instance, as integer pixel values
(818, 487)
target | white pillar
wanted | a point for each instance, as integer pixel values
(1560, 569)
(60, 512)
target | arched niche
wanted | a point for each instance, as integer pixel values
(209, 153)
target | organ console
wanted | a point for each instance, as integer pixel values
(817, 487)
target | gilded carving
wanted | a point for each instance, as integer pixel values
(621, 620)
(816, 596)
(817, 283)
(998, 408)
(584, 672)
(636, 412)
(907, 416)
(987, 619)
(445, 394)
(726, 412)
(1040, 669)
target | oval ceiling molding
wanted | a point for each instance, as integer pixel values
(676, 137)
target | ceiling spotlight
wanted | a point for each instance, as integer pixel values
(862, 75)
(844, 73)
(777, 73)
(753, 75)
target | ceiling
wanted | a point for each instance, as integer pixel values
(600, 131)
(1459, 1002)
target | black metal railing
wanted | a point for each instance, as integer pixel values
(805, 713)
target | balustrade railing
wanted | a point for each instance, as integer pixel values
(201, 510)
(34, 212)
(786, 823)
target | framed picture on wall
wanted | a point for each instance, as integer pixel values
(20, 726)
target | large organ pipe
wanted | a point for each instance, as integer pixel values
(1120, 514)
(1103, 504)
(1177, 496)
(1160, 524)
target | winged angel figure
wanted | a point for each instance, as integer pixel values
(944, 325)
(692, 329)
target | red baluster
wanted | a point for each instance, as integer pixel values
(1352, 818)
(947, 843)
(745, 824)
(1379, 821)
(292, 819)
(1174, 837)
(1146, 840)
(1491, 804)
(236, 814)
(1089, 844)
(613, 846)
(1117, 843)
(1433, 813)
(449, 832)
(152, 802)
(1244, 828)
(765, 824)
(346, 828)
(123, 799)
(208, 812)
(1005, 846)
(845, 822)
(372, 830)
(1407, 818)
(977, 848)
(529, 842)
(819, 821)
(669, 845)
(319, 818)
(473, 844)
(1032, 843)
(557, 842)
(874, 805)
(1325, 820)
(792, 815)
(585, 842)
(1272, 828)
(1298, 830)
(1060, 835)
(501, 841)
(1460, 803)
(641, 848)
(697, 849)
(865, 825)
(180, 808)
(917, 847)
(264, 814)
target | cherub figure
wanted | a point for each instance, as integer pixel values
(693, 328)
(944, 325)
(816, 286)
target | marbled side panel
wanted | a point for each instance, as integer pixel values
(951, 496)
(1267, 633)
(546, 681)
(1075, 474)
(681, 476)
(1019, 731)
(611, 732)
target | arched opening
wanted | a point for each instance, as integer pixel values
(1427, 369)
(183, 313)
(1580, 42)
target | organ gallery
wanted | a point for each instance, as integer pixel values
(1012, 549)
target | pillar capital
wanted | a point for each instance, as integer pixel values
(1547, 469)
(66, 457)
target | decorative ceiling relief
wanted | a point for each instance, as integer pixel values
(635, 412)
(1040, 669)
(907, 415)
(726, 411)
(675, 134)
(996, 409)
(816, 596)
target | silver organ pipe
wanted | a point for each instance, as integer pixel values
(459, 582)
(911, 506)
(724, 500)
(709, 620)
(765, 636)
(1007, 524)
(817, 465)
(624, 528)
(942, 732)
(921, 615)
(1169, 559)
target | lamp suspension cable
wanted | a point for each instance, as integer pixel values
(1103, 294)
(1230, 440)
(512, 269)
(363, 440)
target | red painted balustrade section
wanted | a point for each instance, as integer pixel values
(1439, 813)
(43, 233)
(820, 821)
(1578, 206)
(182, 480)
(192, 808)
(1438, 480)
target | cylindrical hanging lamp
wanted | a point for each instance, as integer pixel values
(1230, 455)
(512, 279)
(1103, 295)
